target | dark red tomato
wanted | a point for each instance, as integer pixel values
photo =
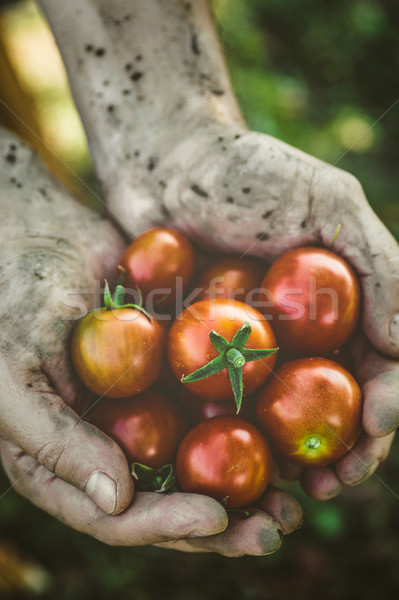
(147, 427)
(313, 299)
(154, 261)
(118, 353)
(232, 277)
(199, 409)
(189, 347)
(311, 411)
(225, 458)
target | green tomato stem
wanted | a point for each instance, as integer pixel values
(149, 479)
(122, 275)
(235, 358)
(117, 301)
(231, 356)
(118, 295)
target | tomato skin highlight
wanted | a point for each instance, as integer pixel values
(117, 353)
(225, 457)
(148, 427)
(155, 259)
(233, 277)
(311, 411)
(324, 314)
(189, 347)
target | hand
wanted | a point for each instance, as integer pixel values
(179, 144)
(303, 205)
(311, 194)
(52, 252)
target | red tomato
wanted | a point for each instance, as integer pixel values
(225, 458)
(313, 298)
(232, 277)
(189, 347)
(154, 261)
(311, 411)
(147, 427)
(118, 353)
(199, 409)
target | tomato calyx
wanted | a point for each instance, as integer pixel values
(232, 356)
(116, 302)
(149, 479)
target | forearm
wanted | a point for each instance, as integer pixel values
(163, 152)
(138, 69)
(148, 79)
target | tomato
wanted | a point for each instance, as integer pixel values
(225, 458)
(118, 353)
(154, 261)
(313, 299)
(231, 277)
(190, 348)
(311, 411)
(147, 427)
(199, 409)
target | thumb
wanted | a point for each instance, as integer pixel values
(366, 243)
(41, 424)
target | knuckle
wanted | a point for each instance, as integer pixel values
(50, 454)
(351, 181)
(351, 188)
(53, 452)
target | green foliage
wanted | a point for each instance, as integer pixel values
(321, 76)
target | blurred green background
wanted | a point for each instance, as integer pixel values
(320, 76)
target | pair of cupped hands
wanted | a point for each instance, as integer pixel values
(55, 253)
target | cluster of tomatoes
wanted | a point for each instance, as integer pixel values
(253, 367)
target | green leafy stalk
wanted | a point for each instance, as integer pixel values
(231, 356)
(113, 303)
(218, 341)
(252, 354)
(241, 337)
(235, 375)
(335, 236)
(214, 366)
(153, 480)
(122, 275)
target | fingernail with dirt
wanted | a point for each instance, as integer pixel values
(367, 474)
(270, 539)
